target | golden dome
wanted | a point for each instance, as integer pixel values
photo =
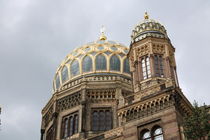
(102, 57)
(148, 28)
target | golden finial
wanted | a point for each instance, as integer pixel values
(146, 16)
(102, 37)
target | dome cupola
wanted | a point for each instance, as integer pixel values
(101, 57)
(148, 28)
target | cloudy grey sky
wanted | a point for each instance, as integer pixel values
(35, 35)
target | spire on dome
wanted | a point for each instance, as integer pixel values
(102, 30)
(146, 16)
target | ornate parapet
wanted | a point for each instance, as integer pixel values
(94, 78)
(145, 108)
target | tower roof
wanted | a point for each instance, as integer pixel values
(148, 28)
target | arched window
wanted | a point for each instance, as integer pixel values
(87, 64)
(115, 63)
(74, 68)
(64, 74)
(145, 63)
(126, 67)
(101, 62)
(145, 135)
(57, 81)
(158, 65)
(157, 133)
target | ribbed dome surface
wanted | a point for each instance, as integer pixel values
(148, 28)
(100, 57)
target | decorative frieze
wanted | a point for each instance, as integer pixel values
(143, 109)
(48, 116)
(101, 94)
(142, 50)
(94, 78)
(68, 101)
(158, 49)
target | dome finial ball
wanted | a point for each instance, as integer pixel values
(146, 16)
(102, 30)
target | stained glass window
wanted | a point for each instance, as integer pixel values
(114, 63)
(101, 62)
(74, 68)
(57, 81)
(87, 64)
(64, 74)
(126, 67)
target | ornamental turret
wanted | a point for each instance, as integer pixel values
(151, 58)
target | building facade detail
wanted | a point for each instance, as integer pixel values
(106, 91)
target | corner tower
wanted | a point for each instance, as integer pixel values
(151, 58)
(157, 106)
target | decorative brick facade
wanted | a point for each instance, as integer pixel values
(145, 102)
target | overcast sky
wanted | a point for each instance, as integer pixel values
(36, 35)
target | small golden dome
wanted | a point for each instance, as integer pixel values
(148, 28)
